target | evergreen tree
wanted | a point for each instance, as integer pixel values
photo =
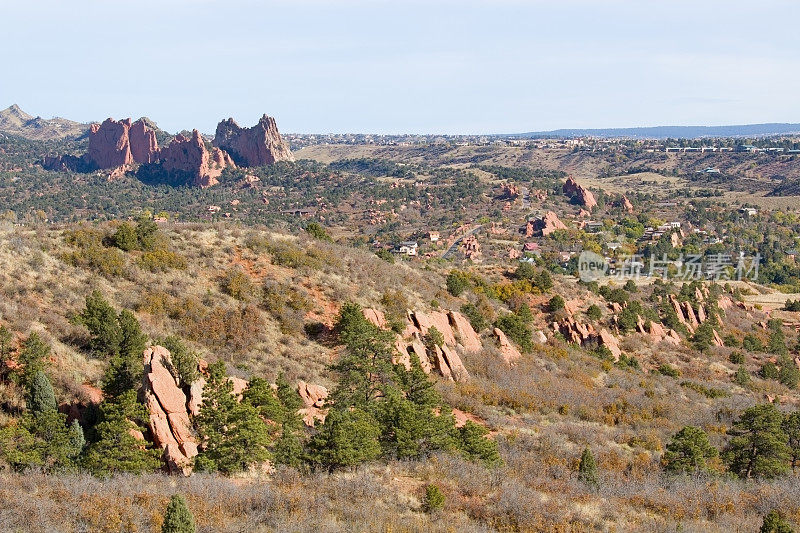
(42, 439)
(101, 320)
(775, 523)
(146, 232)
(366, 367)
(183, 359)
(34, 357)
(587, 469)
(289, 447)
(115, 449)
(125, 367)
(788, 374)
(791, 426)
(178, 518)
(475, 446)
(703, 336)
(41, 396)
(759, 445)
(688, 451)
(348, 437)
(234, 436)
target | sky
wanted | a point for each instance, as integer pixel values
(405, 66)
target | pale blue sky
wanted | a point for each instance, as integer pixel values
(405, 66)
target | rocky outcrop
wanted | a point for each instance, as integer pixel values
(110, 144)
(313, 397)
(608, 340)
(115, 144)
(169, 422)
(625, 204)
(578, 194)
(144, 146)
(507, 350)
(547, 224)
(471, 247)
(189, 158)
(252, 147)
(457, 334)
(465, 334)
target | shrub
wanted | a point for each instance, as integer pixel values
(475, 317)
(668, 370)
(517, 330)
(318, 232)
(736, 358)
(434, 499)
(594, 312)
(742, 376)
(237, 284)
(751, 343)
(457, 282)
(178, 518)
(386, 255)
(555, 303)
(587, 469)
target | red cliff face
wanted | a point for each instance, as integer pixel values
(190, 157)
(109, 144)
(114, 144)
(144, 146)
(252, 147)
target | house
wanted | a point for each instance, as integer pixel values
(433, 236)
(748, 211)
(613, 246)
(407, 248)
(593, 226)
(791, 255)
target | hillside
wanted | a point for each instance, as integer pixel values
(251, 297)
(14, 121)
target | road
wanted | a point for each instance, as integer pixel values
(454, 246)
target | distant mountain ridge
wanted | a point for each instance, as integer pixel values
(674, 132)
(15, 121)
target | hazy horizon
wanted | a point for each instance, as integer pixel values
(440, 67)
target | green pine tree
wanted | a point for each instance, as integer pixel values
(178, 518)
(101, 320)
(34, 356)
(125, 237)
(587, 469)
(791, 426)
(234, 436)
(115, 449)
(41, 396)
(42, 439)
(476, 447)
(348, 437)
(759, 445)
(688, 451)
(125, 367)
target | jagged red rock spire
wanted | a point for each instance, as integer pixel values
(252, 147)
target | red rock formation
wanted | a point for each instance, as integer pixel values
(625, 204)
(507, 350)
(579, 194)
(313, 397)
(437, 319)
(453, 362)
(144, 146)
(610, 341)
(252, 147)
(375, 316)
(548, 224)
(471, 247)
(169, 418)
(190, 157)
(109, 144)
(467, 337)
(115, 144)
